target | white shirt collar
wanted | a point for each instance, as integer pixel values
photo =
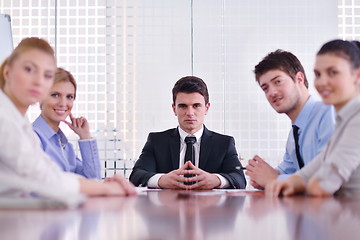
(11, 110)
(198, 134)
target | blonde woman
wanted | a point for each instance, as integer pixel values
(26, 78)
(55, 108)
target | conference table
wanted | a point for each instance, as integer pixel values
(179, 214)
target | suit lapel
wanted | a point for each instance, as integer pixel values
(205, 147)
(175, 148)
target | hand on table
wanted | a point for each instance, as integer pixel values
(175, 179)
(291, 186)
(260, 172)
(313, 188)
(120, 186)
(203, 180)
(277, 188)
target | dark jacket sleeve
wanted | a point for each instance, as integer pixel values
(235, 176)
(145, 166)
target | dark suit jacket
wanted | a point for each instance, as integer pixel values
(161, 154)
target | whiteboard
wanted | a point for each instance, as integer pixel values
(6, 41)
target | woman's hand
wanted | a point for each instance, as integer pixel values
(80, 126)
(313, 188)
(291, 186)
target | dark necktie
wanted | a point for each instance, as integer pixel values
(189, 154)
(297, 149)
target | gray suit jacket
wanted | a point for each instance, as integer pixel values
(337, 167)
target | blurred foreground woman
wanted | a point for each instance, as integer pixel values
(26, 78)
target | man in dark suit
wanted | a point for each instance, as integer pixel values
(215, 161)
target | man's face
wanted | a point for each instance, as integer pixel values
(281, 91)
(190, 109)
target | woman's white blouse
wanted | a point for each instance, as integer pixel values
(21, 155)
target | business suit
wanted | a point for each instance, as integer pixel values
(161, 154)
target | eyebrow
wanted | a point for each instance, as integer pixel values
(188, 104)
(30, 62)
(326, 69)
(36, 66)
(274, 78)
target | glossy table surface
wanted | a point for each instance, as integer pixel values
(170, 214)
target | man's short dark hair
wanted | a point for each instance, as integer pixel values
(190, 84)
(283, 61)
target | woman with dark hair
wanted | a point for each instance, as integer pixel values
(336, 170)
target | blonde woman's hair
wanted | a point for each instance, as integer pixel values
(25, 45)
(62, 75)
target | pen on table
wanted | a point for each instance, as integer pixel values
(240, 168)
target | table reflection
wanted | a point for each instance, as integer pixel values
(188, 215)
(60, 224)
(323, 218)
(32, 224)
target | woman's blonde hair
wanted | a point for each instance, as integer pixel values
(62, 75)
(25, 45)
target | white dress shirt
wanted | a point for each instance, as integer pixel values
(154, 180)
(22, 156)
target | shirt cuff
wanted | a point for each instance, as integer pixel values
(282, 177)
(330, 179)
(224, 183)
(153, 182)
(87, 140)
(70, 182)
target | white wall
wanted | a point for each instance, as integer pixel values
(127, 55)
(230, 38)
